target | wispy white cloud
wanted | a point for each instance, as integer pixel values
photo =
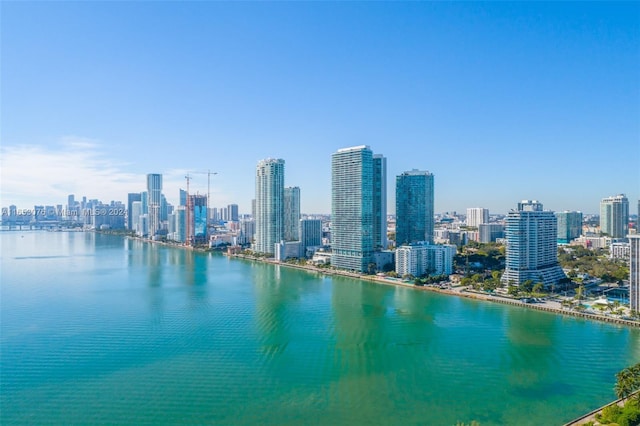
(39, 174)
(73, 165)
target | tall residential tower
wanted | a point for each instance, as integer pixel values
(352, 210)
(614, 216)
(569, 226)
(379, 202)
(532, 248)
(269, 216)
(154, 201)
(414, 207)
(477, 216)
(291, 213)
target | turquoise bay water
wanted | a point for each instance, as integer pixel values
(98, 329)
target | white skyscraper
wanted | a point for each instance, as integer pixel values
(614, 216)
(269, 205)
(532, 248)
(154, 194)
(477, 216)
(291, 213)
(634, 272)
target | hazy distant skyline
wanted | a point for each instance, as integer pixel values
(500, 101)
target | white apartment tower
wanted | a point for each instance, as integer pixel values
(424, 258)
(154, 202)
(532, 248)
(614, 216)
(477, 216)
(269, 216)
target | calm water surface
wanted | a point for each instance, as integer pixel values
(98, 329)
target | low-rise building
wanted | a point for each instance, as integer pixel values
(423, 258)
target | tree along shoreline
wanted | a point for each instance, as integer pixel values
(454, 291)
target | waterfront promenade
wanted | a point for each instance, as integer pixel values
(553, 306)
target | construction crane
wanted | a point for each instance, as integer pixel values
(208, 173)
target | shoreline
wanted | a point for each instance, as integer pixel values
(547, 306)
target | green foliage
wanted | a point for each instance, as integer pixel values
(628, 381)
(527, 286)
(490, 256)
(538, 287)
(593, 262)
(628, 415)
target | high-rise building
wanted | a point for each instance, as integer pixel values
(291, 213)
(164, 208)
(198, 218)
(232, 212)
(379, 202)
(614, 216)
(154, 194)
(476, 216)
(352, 187)
(414, 207)
(569, 226)
(247, 231)
(134, 214)
(144, 198)
(490, 232)
(634, 272)
(269, 205)
(532, 247)
(180, 217)
(310, 233)
(131, 219)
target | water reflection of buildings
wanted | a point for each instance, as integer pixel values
(532, 356)
(364, 355)
(285, 311)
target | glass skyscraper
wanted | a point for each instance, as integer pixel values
(379, 202)
(352, 211)
(291, 213)
(414, 207)
(154, 195)
(198, 218)
(614, 216)
(269, 215)
(532, 248)
(569, 226)
(131, 219)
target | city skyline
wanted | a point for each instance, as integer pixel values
(464, 90)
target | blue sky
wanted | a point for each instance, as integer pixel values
(500, 101)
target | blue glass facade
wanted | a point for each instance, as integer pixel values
(414, 207)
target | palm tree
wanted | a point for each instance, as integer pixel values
(628, 381)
